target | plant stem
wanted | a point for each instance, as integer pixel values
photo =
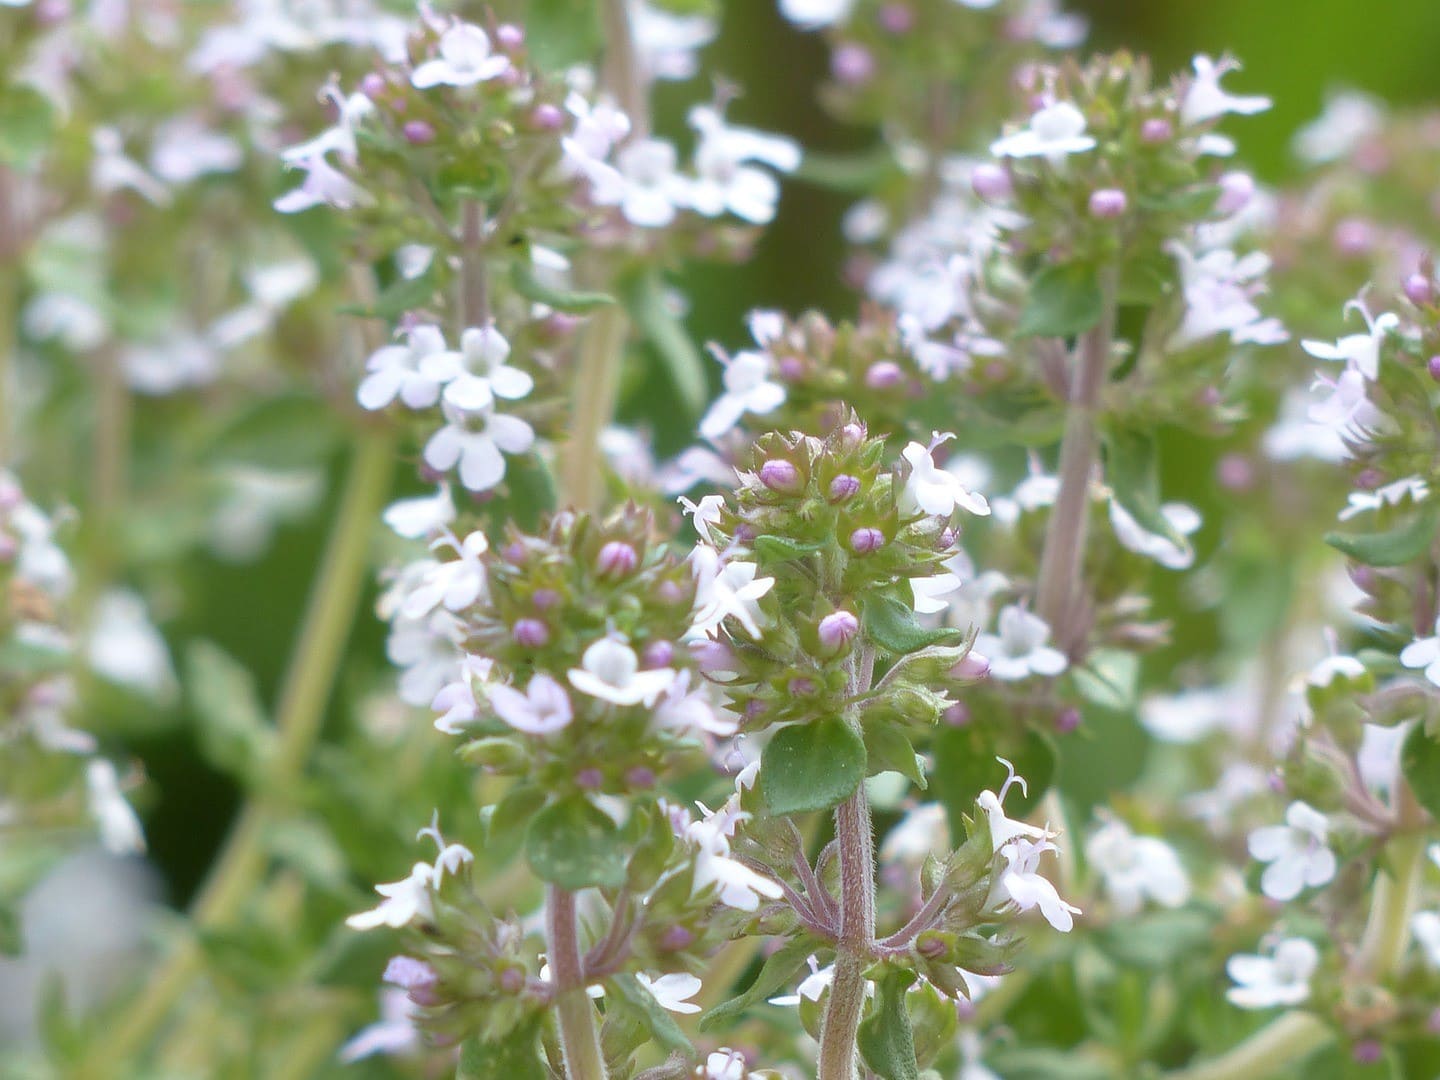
(579, 1039)
(1387, 930)
(1057, 587)
(620, 72)
(299, 716)
(1270, 1049)
(597, 386)
(474, 291)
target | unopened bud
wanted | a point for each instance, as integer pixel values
(714, 657)
(1236, 191)
(531, 633)
(991, 183)
(897, 18)
(589, 778)
(837, 629)
(676, 937)
(865, 540)
(1367, 1052)
(509, 36)
(1156, 130)
(512, 980)
(1067, 720)
(1433, 366)
(1235, 472)
(780, 475)
(1353, 236)
(843, 487)
(547, 117)
(658, 654)
(852, 64)
(545, 599)
(616, 559)
(1418, 290)
(372, 85)
(884, 375)
(972, 668)
(1108, 203)
(418, 132)
(639, 778)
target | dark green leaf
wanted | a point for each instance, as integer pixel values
(1132, 472)
(234, 733)
(1396, 546)
(1109, 679)
(665, 330)
(661, 1024)
(1064, 301)
(885, 1038)
(574, 844)
(505, 822)
(1420, 762)
(573, 302)
(965, 765)
(887, 748)
(775, 975)
(891, 624)
(859, 173)
(514, 1057)
(811, 766)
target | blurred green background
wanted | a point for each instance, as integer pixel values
(1294, 52)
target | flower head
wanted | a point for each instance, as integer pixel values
(465, 59)
(1204, 98)
(610, 671)
(1281, 978)
(1296, 851)
(1054, 132)
(1020, 649)
(543, 709)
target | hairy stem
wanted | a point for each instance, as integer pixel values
(299, 716)
(579, 1039)
(1057, 588)
(1266, 1052)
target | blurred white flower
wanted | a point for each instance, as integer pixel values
(1296, 851)
(1281, 978)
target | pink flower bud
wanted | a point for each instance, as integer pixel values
(531, 633)
(957, 715)
(672, 592)
(1156, 130)
(843, 487)
(509, 36)
(852, 64)
(1353, 237)
(801, 686)
(884, 375)
(1235, 472)
(853, 434)
(512, 980)
(617, 559)
(372, 85)
(418, 132)
(589, 778)
(930, 946)
(1236, 191)
(1067, 720)
(972, 668)
(1108, 203)
(1367, 1052)
(791, 368)
(1419, 291)
(837, 628)
(777, 474)
(865, 540)
(676, 937)
(1433, 366)
(1434, 1022)
(1369, 479)
(658, 654)
(515, 553)
(714, 657)
(639, 778)
(991, 183)
(897, 18)
(545, 599)
(547, 117)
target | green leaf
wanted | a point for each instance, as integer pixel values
(1040, 1063)
(570, 301)
(505, 822)
(1132, 472)
(1110, 679)
(1159, 939)
(965, 765)
(782, 547)
(665, 331)
(661, 1024)
(574, 844)
(1396, 546)
(27, 123)
(885, 1038)
(860, 172)
(11, 940)
(1064, 301)
(811, 766)
(562, 33)
(775, 975)
(888, 749)
(1420, 762)
(401, 295)
(891, 624)
(234, 733)
(278, 433)
(513, 1056)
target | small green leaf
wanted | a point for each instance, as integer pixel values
(782, 547)
(1109, 679)
(775, 975)
(1064, 301)
(1420, 762)
(514, 1056)
(888, 749)
(811, 766)
(661, 1024)
(27, 122)
(574, 844)
(505, 822)
(401, 295)
(1132, 472)
(885, 1037)
(234, 733)
(891, 624)
(570, 301)
(665, 330)
(1396, 546)
(860, 173)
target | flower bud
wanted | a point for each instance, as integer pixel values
(853, 434)
(714, 657)
(639, 778)
(418, 132)
(531, 633)
(1353, 236)
(545, 599)
(972, 668)
(547, 117)
(589, 778)
(991, 183)
(1067, 720)
(1236, 191)
(931, 946)
(658, 654)
(883, 375)
(512, 980)
(791, 368)
(1367, 1052)
(1156, 130)
(372, 85)
(957, 715)
(837, 629)
(865, 540)
(777, 474)
(801, 686)
(1108, 203)
(843, 487)
(1235, 472)
(1433, 366)
(672, 592)
(1368, 479)
(897, 18)
(1419, 291)
(617, 559)
(509, 36)
(676, 937)
(852, 64)
(1433, 1023)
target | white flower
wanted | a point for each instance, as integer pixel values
(405, 901)
(1054, 132)
(1020, 649)
(1330, 668)
(120, 831)
(543, 709)
(1347, 409)
(180, 360)
(725, 589)
(1002, 828)
(934, 490)
(401, 371)
(341, 138)
(598, 127)
(1425, 925)
(690, 713)
(1424, 653)
(724, 180)
(928, 590)
(1378, 758)
(643, 182)
(610, 670)
(1136, 867)
(1282, 978)
(813, 14)
(477, 449)
(1348, 120)
(1219, 287)
(428, 652)
(813, 986)
(111, 170)
(393, 1033)
(736, 885)
(450, 857)
(421, 516)
(725, 1064)
(925, 830)
(125, 647)
(747, 389)
(1020, 884)
(667, 43)
(465, 59)
(184, 149)
(453, 583)
(455, 701)
(1296, 852)
(476, 375)
(704, 515)
(324, 185)
(1393, 494)
(1205, 100)
(1360, 351)
(673, 991)
(970, 605)
(1182, 518)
